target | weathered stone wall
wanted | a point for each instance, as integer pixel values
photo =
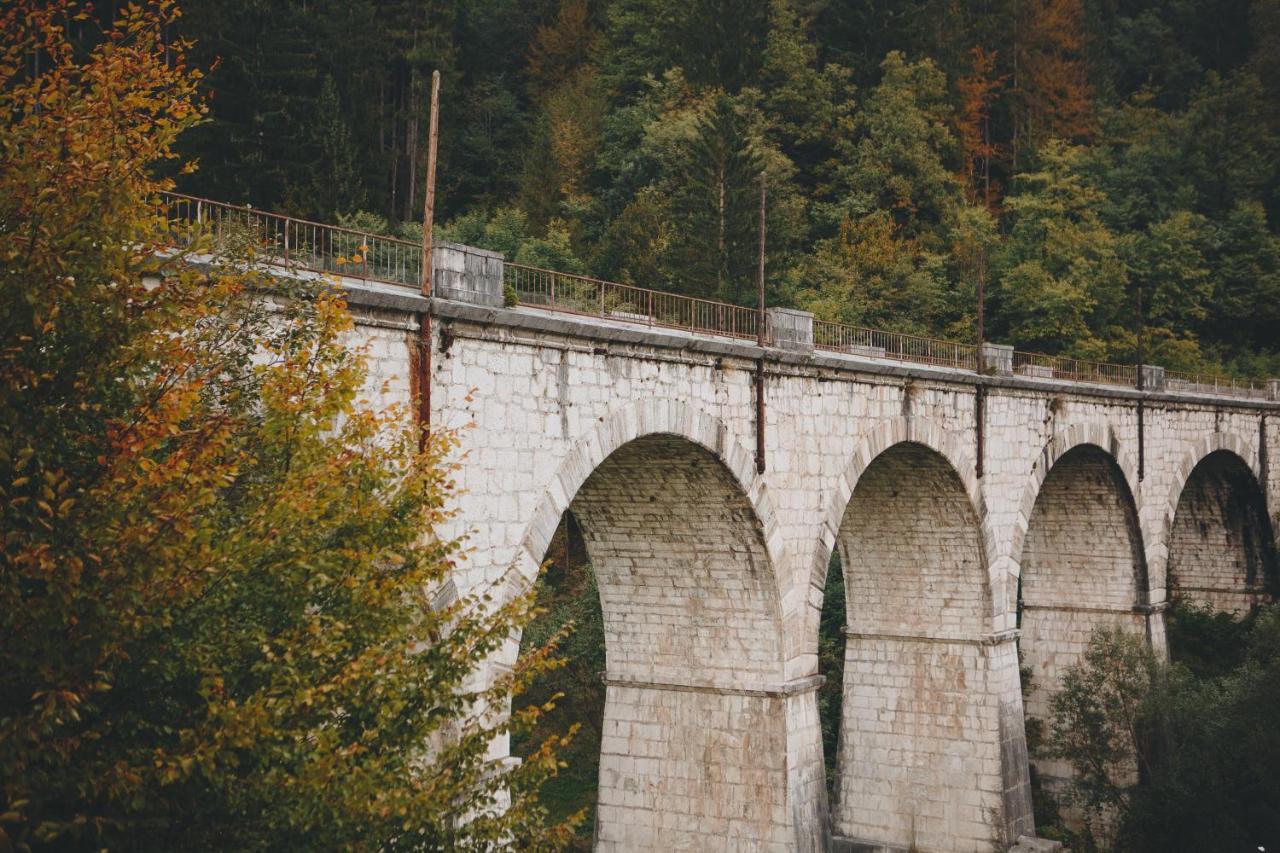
(543, 402)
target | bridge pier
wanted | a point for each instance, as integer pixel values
(693, 767)
(931, 752)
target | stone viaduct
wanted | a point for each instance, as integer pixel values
(711, 573)
(976, 515)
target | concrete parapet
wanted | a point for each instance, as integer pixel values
(997, 359)
(1152, 377)
(791, 329)
(467, 274)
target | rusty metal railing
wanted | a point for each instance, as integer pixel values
(298, 243)
(874, 343)
(301, 244)
(1207, 383)
(1040, 366)
(577, 294)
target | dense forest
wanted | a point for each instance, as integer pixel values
(1070, 153)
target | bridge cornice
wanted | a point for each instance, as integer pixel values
(598, 331)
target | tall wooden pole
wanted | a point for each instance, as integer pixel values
(761, 321)
(1142, 442)
(982, 306)
(429, 209)
(425, 344)
(980, 391)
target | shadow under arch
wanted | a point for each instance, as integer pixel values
(870, 447)
(928, 732)
(1221, 545)
(1082, 567)
(683, 544)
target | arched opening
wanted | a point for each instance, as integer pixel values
(831, 650)
(1221, 546)
(567, 594)
(1082, 568)
(1222, 564)
(921, 758)
(693, 747)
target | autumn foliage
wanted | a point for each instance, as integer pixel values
(216, 562)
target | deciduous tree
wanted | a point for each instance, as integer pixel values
(217, 563)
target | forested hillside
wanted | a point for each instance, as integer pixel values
(1068, 152)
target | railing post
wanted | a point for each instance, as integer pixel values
(600, 287)
(650, 311)
(286, 240)
(552, 279)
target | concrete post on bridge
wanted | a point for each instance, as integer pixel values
(997, 359)
(791, 329)
(1273, 389)
(467, 274)
(1152, 377)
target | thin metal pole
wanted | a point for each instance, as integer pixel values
(428, 225)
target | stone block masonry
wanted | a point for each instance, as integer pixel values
(711, 575)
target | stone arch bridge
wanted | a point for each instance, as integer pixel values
(711, 572)
(976, 514)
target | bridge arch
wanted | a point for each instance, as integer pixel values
(1081, 562)
(651, 417)
(1096, 434)
(1218, 540)
(870, 447)
(684, 545)
(922, 738)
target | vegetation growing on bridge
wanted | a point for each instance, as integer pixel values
(1200, 730)
(213, 567)
(1069, 151)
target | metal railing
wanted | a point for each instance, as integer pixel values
(1206, 383)
(1041, 366)
(577, 294)
(300, 244)
(874, 343)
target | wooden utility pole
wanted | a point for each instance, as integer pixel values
(980, 391)
(429, 209)
(982, 307)
(428, 224)
(1142, 443)
(761, 321)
